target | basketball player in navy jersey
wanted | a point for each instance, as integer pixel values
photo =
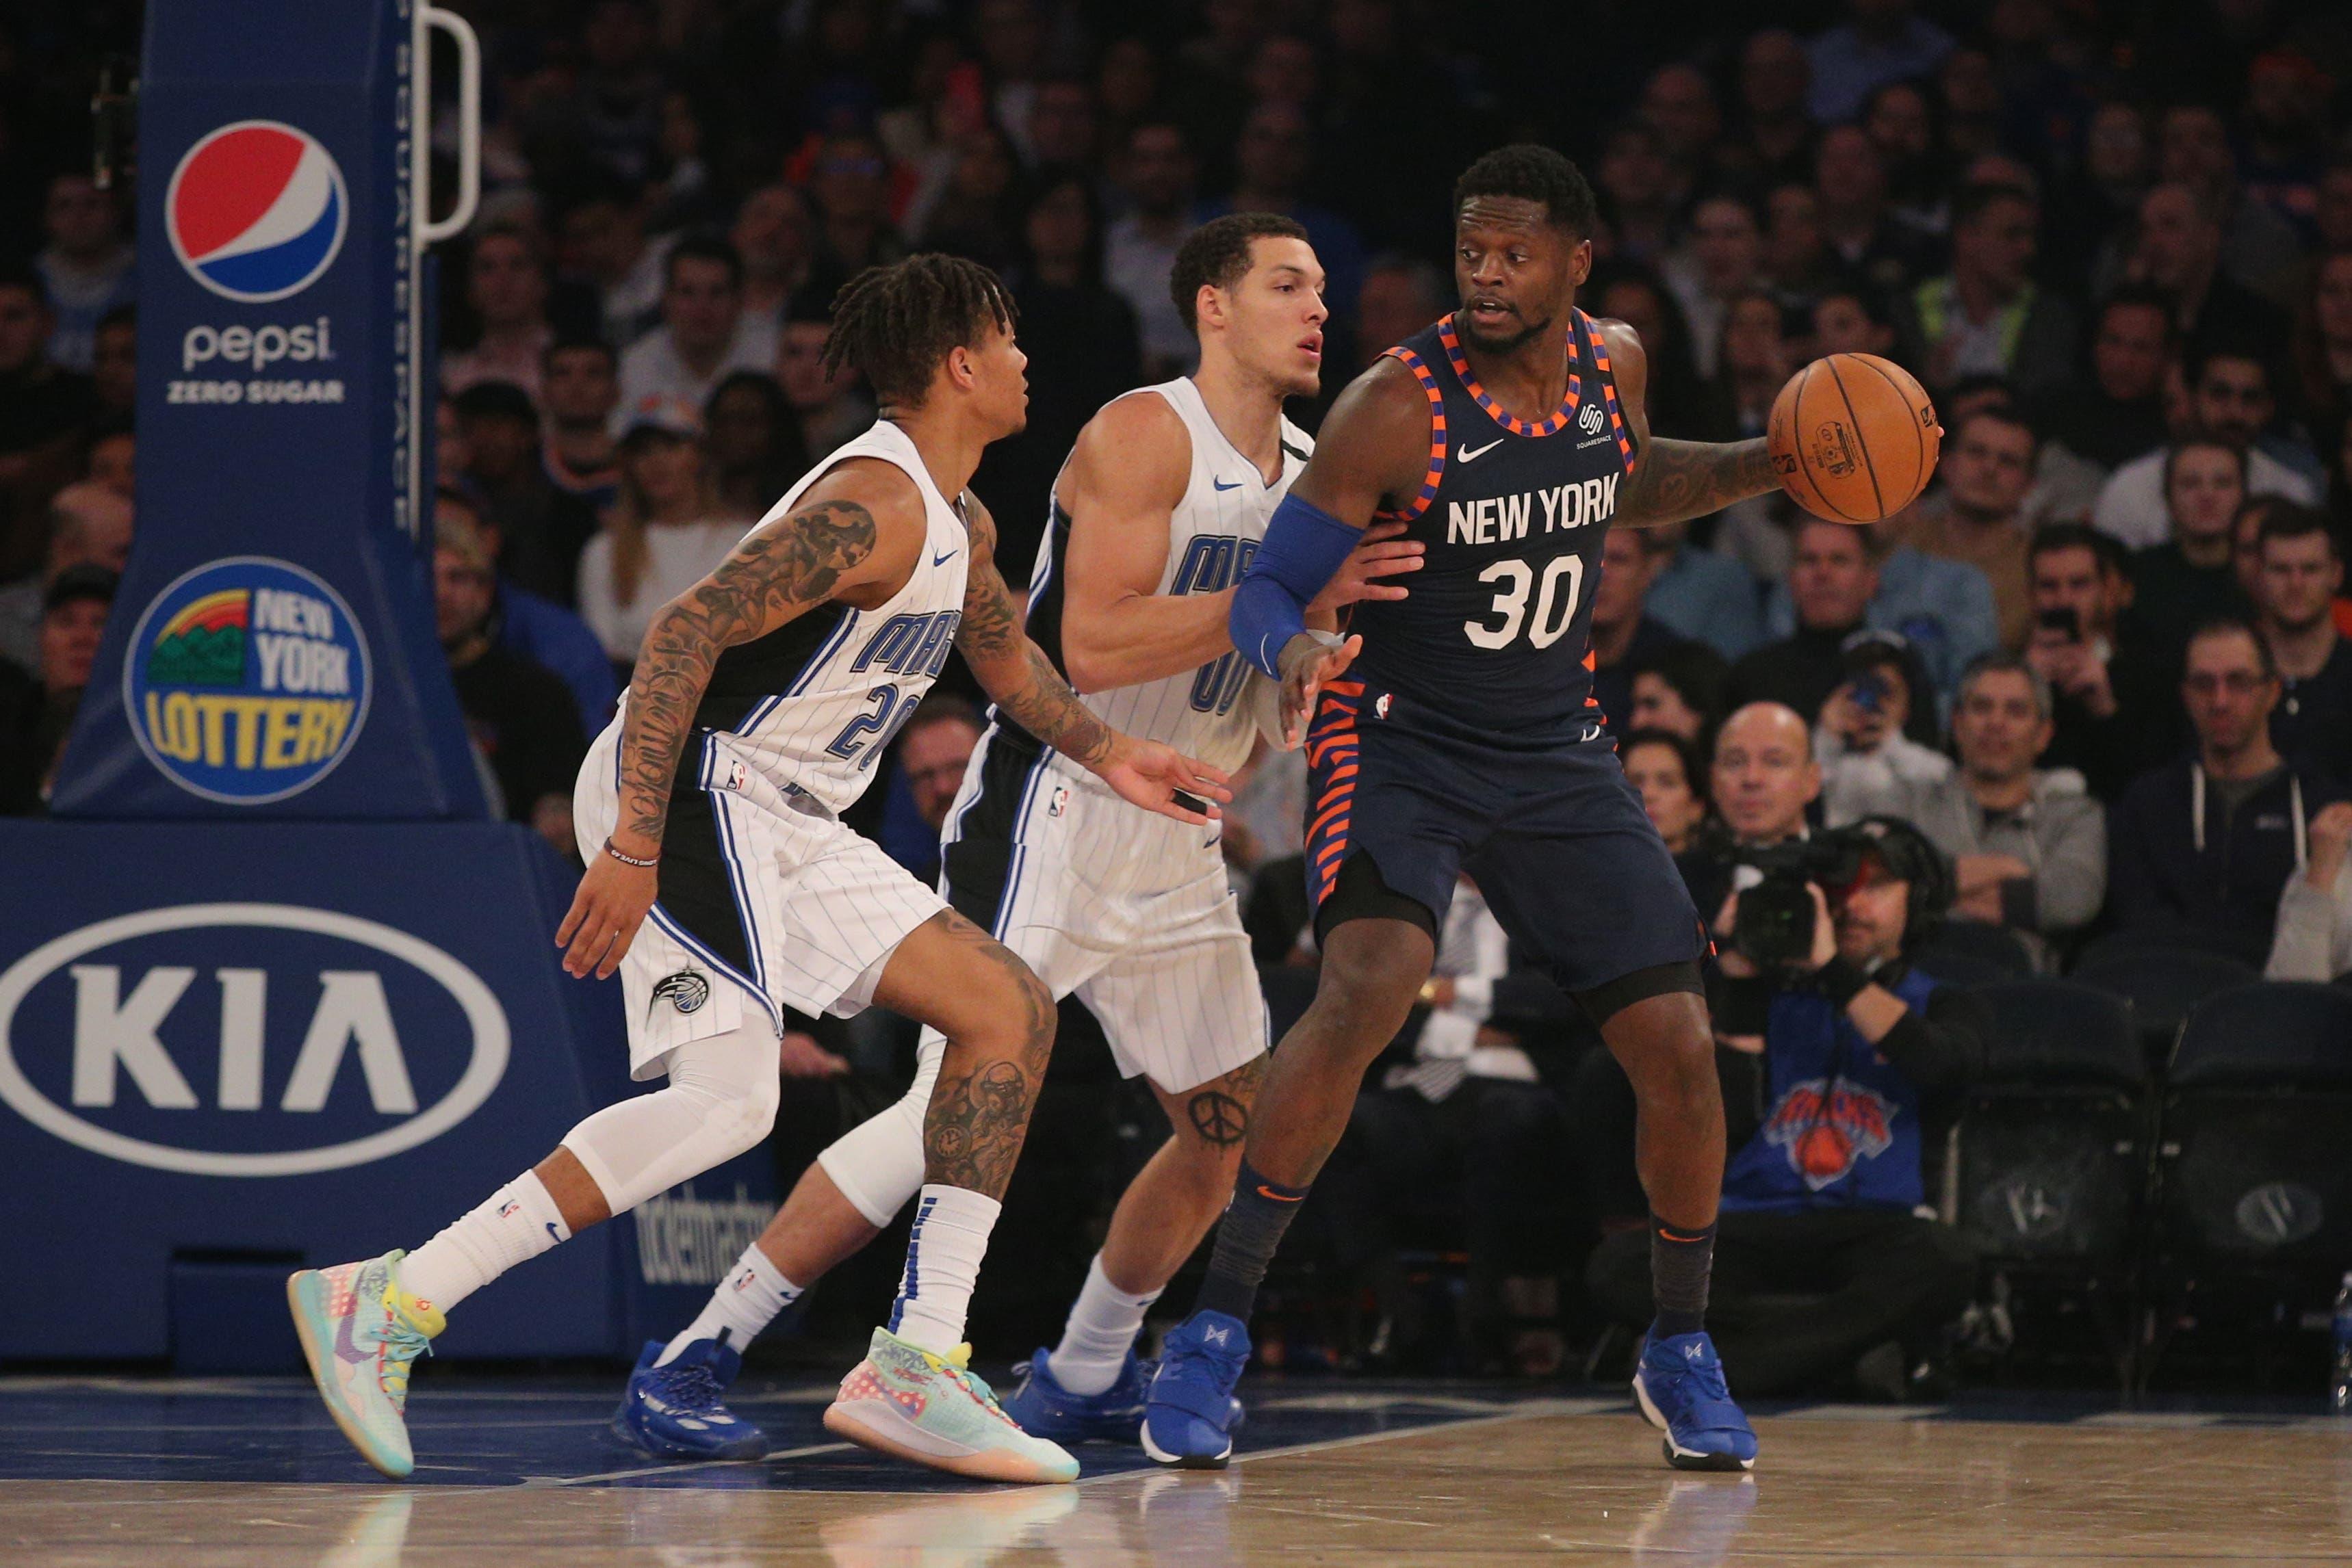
(1455, 732)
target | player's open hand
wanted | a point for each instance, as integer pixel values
(1383, 552)
(1158, 777)
(605, 913)
(1309, 660)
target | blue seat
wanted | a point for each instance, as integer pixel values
(1972, 953)
(2162, 985)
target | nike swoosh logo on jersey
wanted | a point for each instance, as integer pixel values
(1465, 453)
(943, 560)
(1221, 485)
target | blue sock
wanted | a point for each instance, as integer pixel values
(1261, 1210)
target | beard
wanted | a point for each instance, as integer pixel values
(1506, 343)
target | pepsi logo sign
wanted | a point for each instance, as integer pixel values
(246, 1040)
(256, 211)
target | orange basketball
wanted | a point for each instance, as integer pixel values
(1854, 438)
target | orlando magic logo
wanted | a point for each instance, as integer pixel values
(686, 990)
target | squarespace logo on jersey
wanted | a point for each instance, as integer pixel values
(246, 1040)
(257, 211)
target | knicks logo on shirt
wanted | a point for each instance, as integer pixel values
(1828, 1129)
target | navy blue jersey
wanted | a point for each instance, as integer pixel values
(1497, 633)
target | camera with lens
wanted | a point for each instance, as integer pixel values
(1772, 926)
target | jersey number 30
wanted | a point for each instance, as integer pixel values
(1555, 609)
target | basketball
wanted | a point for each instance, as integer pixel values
(1854, 438)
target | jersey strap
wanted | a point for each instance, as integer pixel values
(1436, 396)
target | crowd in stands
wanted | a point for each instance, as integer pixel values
(2099, 672)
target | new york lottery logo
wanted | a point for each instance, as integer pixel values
(256, 211)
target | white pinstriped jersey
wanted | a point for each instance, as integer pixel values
(1212, 533)
(820, 699)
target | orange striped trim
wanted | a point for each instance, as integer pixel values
(1609, 390)
(1428, 493)
(1560, 416)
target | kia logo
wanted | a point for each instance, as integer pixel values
(117, 1052)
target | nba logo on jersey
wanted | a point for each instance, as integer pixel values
(256, 211)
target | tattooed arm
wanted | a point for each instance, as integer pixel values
(1675, 480)
(852, 535)
(1025, 686)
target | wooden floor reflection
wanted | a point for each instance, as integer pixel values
(1522, 1488)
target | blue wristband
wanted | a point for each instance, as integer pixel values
(1305, 546)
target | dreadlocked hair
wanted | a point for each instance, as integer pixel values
(895, 325)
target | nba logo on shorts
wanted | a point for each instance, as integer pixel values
(256, 211)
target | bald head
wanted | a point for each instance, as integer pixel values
(1765, 774)
(90, 524)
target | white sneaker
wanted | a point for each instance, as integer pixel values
(362, 1332)
(907, 1401)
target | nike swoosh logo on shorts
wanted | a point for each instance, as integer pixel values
(1465, 453)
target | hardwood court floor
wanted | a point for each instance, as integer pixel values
(1399, 1475)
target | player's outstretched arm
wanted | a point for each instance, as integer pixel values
(1022, 681)
(855, 527)
(1374, 446)
(1676, 480)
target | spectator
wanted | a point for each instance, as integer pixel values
(1011, 35)
(1638, 194)
(1763, 780)
(85, 266)
(1776, 134)
(2232, 403)
(2111, 715)
(2259, 247)
(90, 524)
(1460, 1106)
(1664, 767)
(520, 717)
(1704, 595)
(2301, 571)
(1676, 397)
(1868, 764)
(1062, 125)
(1679, 689)
(1723, 260)
(114, 361)
(2179, 250)
(1832, 1070)
(1883, 42)
(1871, 245)
(1753, 361)
(43, 408)
(581, 380)
(2323, 343)
(528, 626)
(1797, 260)
(2028, 846)
(1621, 632)
(2191, 578)
(973, 209)
(664, 534)
(602, 244)
(1900, 119)
(1140, 249)
(1272, 159)
(1977, 519)
(545, 527)
(830, 405)
(925, 776)
(1678, 103)
(2314, 915)
(616, 110)
(114, 458)
(37, 714)
(850, 178)
(2200, 850)
(1829, 585)
(1850, 320)
(2119, 413)
(774, 234)
(755, 445)
(506, 285)
(1986, 315)
(703, 334)
(1402, 295)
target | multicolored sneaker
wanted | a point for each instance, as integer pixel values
(362, 1332)
(678, 1411)
(1678, 1382)
(934, 1410)
(1189, 1411)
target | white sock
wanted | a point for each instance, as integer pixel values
(943, 1254)
(517, 1223)
(1102, 1326)
(745, 1302)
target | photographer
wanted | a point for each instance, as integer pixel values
(1833, 1053)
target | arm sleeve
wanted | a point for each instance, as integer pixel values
(1942, 1049)
(1303, 547)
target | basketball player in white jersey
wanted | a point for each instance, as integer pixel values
(760, 699)
(1157, 509)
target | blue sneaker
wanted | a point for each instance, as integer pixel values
(1189, 1412)
(675, 1412)
(1679, 1386)
(1043, 1408)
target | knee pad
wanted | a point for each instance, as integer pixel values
(879, 1163)
(720, 1100)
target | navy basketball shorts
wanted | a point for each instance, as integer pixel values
(1549, 829)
